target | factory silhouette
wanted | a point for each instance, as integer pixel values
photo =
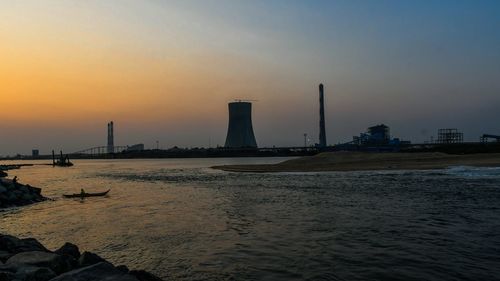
(240, 138)
(322, 129)
(111, 138)
(240, 130)
(241, 141)
(240, 133)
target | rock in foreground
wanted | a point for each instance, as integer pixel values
(27, 260)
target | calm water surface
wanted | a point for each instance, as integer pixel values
(184, 221)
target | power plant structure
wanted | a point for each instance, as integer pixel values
(484, 138)
(322, 130)
(447, 136)
(111, 141)
(240, 130)
(379, 134)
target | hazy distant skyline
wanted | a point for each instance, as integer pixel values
(165, 70)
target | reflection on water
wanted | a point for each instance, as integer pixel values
(184, 221)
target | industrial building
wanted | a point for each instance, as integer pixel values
(135, 147)
(447, 136)
(485, 137)
(322, 130)
(111, 142)
(377, 135)
(240, 130)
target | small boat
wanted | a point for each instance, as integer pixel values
(62, 161)
(80, 195)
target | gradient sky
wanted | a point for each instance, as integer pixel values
(165, 70)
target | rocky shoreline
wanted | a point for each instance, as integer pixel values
(14, 194)
(28, 260)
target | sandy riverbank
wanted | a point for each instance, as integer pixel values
(359, 161)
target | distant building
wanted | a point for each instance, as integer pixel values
(450, 136)
(136, 147)
(35, 153)
(322, 130)
(111, 138)
(240, 130)
(484, 138)
(377, 135)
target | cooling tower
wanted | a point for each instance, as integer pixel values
(240, 130)
(111, 142)
(322, 131)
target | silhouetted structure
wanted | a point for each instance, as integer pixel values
(484, 138)
(35, 153)
(322, 130)
(379, 134)
(63, 161)
(136, 147)
(450, 136)
(111, 142)
(100, 150)
(240, 130)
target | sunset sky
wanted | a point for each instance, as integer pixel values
(165, 70)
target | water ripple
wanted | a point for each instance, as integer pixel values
(184, 221)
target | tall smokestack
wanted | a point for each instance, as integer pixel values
(111, 142)
(322, 132)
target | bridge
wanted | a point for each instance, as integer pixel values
(100, 150)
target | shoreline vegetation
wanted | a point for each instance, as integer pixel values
(366, 161)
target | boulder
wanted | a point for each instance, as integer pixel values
(88, 258)
(10, 197)
(15, 245)
(144, 275)
(17, 193)
(28, 260)
(31, 244)
(6, 276)
(102, 271)
(28, 197)
(3, 174)
(69, 249)
(9, 185)
(33, 273)
(40, 259)
(123, 268)
(36, 190)
(4, 256)
(23, 189)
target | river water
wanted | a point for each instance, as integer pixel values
(184, 221)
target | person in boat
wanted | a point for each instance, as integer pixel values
(82, 193)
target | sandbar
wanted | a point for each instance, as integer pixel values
(365, 161)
